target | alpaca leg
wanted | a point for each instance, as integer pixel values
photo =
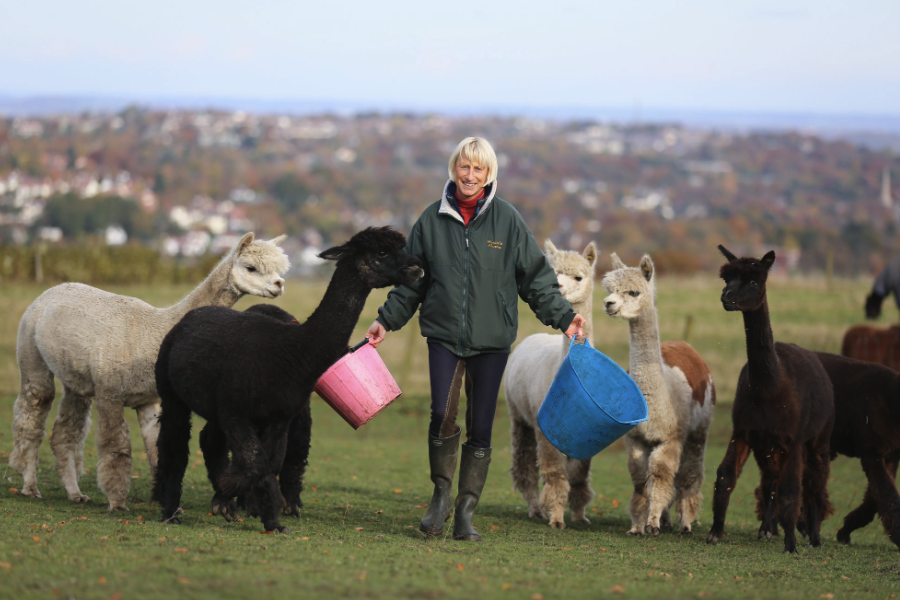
(726, 477)
(174, 452)
(638, 468)
(114, 452)
(556, 483)
(861, 516)
(148, 419)
(67, 440)
(689, 481)
(580, 492)
(663, 465)
(215, 455)
(770, 465)
(524, 470)
(816, 506)
(885, 492)
(296, 459)
(30, 412)
(788, 500)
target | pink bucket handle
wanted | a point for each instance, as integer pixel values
(358, 346)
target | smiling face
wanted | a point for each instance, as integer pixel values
(470, 177)
(745, 281)
(631, 289)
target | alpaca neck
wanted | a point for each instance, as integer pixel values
(216, 290)
(762, 362)
(645, 358)
(326, 333)
(584, 309)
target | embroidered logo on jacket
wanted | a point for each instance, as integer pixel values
(495, 245)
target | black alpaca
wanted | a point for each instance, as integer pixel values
(886, 283)
(867, 426)
(250, 375)
(783, 412)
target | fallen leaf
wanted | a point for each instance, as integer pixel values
(101, 580)
(617, 589)
(14, 490)
(845, 578)
(5, 565)
(398, 491)
(183, 580)
(181, 549)
(362, 576)
(418, 506)
(460, 567)
(36, 538)
(359, 528)
(494, 527)
(267, 532)
(304, 538)
(162, 539)
(827, 596)
(537, 597)
(506, 586)
(615, 503)
(378, 512)
(602, 549)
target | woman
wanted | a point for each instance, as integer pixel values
(479, 256)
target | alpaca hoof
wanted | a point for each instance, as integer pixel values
(654, 531)
(173, 520)
(843, 537)
(557, 524)
(535, 513)
(118, 507)
(31, 492)
(794, 551)
(79, 498)
(712, 539)
(292, 511)
(278, 529)
(686, 531)
(636, 532)
(225, 507)
(582, 519)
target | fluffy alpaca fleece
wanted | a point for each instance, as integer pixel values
(531, 369)
(103, 347)
(665, 453)
(783, 412)
(250, 375)
(873, 344)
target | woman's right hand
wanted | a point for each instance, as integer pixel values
(376, 333)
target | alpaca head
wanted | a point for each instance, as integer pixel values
(745, 280)
(258, 267)
(632, 290)
(379, 256)
(575, 272)
(873, 305)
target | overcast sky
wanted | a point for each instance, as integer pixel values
(785, 55)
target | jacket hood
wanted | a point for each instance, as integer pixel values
(447, 208)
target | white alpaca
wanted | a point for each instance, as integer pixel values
(665, 453)
(103, 346)
(532, 366)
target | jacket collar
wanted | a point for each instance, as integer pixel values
(448, 209)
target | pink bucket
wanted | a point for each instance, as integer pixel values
(358, 386)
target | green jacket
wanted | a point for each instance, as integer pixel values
(473, 275)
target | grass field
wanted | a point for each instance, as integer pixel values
(366, 490)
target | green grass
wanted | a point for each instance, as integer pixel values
(365, 490)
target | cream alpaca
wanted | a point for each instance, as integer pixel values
(103, 346)
(532, 366)
(665, 453)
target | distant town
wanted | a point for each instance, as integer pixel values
(191, 182)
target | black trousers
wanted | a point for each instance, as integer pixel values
(481, 375)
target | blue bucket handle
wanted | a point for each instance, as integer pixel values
(584, 343)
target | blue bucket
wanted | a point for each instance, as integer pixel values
(591, 403)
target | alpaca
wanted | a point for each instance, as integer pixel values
(873, 344)
(103, 346)
(783, 412)
(665, 453)
(530, 371)
(866, 426)
(886, 283)
(250, 375)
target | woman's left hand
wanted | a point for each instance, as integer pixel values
(576, 327)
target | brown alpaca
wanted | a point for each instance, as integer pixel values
(783, 412)
(873, 344)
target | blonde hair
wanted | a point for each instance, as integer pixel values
(478, 150)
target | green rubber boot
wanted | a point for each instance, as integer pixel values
(442, 453)
(473, 472)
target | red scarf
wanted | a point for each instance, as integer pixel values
(467, 207)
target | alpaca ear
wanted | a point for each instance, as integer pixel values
(616, 261)
(549, 248)
(591, 253)
(277, 240)
(647, 268)
(768, 260)
(731, 257)
(336, 253)
(243, 243)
